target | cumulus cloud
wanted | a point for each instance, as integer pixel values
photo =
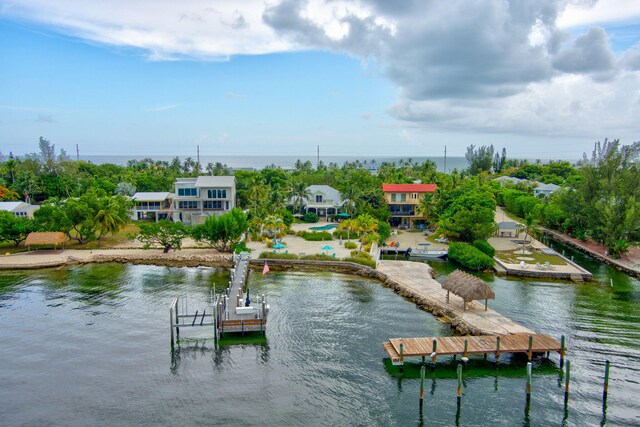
(494, 66)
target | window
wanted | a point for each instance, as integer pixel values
(213, 204)
(154, 206)
(403, 197)
(414, 196)
(187, 192)
(394, 197)
(191, 204)
(217, 194)
(319, 198)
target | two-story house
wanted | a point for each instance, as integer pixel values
(323, 200)
(197, 198)
(152, 206)
(19, 209)
(403, 201)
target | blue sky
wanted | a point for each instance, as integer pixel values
(294, 78)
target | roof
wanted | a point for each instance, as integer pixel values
(547, 187)
(215, 181)
(508, 225)
(45, 238)
(10, 206)
(409, 188)
(512, 179)
(151, 196)
(467, 286)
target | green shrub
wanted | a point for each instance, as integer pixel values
(360, 254)
(319, 257)
(240, 247)
(368, 262)
(485, 247)
(310, 217)
(277, 255)
(350, 245)
(316, 236)
(469, 256)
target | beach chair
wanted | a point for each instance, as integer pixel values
(539, 266)
(524, 265)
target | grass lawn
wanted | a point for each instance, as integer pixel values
(511, 216)
(512, 257)
(107, 241)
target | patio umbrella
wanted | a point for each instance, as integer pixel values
(278, 246)
(326, 248)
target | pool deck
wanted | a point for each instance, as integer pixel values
(415, 281)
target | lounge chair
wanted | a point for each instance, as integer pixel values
(524, 265)
(540, 267)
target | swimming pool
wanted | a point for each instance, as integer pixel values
(324, 227)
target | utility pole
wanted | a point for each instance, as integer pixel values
(318, 162)
(445, 159)
(198, 154)
(77, 153)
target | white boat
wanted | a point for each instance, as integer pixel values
(425, 253)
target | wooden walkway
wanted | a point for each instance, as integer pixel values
(400, 348)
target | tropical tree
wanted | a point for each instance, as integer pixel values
(297, 190)
(365, 224)
(14, 229)
(164, 233)
(530, 227)
(112, 216)
(222, 232)
(274, 225)
(125, 189)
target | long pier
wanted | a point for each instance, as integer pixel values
(400, 348)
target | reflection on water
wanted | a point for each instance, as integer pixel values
(101, 334)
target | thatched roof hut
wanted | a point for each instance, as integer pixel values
(45, 238)
(468, 287)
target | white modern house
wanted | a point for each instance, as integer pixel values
(152, 206)
(323, 201)
(545, 189)
(19, 209)
(197, 198)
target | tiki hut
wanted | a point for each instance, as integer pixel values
(45, 238)
(468, 287)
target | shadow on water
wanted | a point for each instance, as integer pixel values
(220, 353)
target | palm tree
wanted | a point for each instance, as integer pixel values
(257, 193)
(347, 224)
(351, 196)
(297, 190)
(274, 225)
(530, 228)
(112, 215)
(365, 223)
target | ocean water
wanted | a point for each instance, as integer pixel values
(259, 162)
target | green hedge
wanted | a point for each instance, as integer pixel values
(469, 256)
(277, 255)
(316, 236)
(319, 257)
(485, 247)
(368, 262)
(350, 245)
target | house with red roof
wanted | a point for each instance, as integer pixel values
(403, 201)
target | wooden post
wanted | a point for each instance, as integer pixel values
(459, 383)
(562, 350)
(401, 357)
(528, 382)
(435, 347)
(177, 322)
(486, 304)
(466, 345)
(497, 348)
(530, 350)
(422, 372)
(447, 297)
(566, 382)
(606, 382)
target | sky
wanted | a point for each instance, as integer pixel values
(543, 78)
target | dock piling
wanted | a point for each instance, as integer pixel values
(497, 348)
(528, 382)
(422, 373)
(605, 390)
(562, 350)
(530, 350)
(466, 347)
(435, 347)
(459, 384)
(401, 358)
(566, 383)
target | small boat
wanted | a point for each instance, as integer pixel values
(425, 253)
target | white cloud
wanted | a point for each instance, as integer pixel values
(490, 66)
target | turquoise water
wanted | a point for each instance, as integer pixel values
(324, 227)
(90, 346)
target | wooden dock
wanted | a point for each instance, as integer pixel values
(400, 348)
(230, 312)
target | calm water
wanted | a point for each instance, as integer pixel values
(90, 346)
